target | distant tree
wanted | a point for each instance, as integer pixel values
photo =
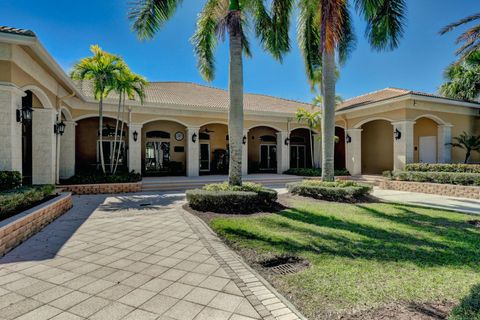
(467, 142)
(463, 78)
(470, 39)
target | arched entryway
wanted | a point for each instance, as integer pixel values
(87, 146)
(262, 150)
(339, 148)
(214, 154)
(425, 135)
(300, 148)
(377, 147)
(163, 148)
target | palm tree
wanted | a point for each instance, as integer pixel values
(102, 69)
(313, 119)
(470, 38)
(218, 18)
(463, 78)
(324, 31)
(127, 85)
(467, 142)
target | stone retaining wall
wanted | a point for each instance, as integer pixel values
(103, 188)
(449, 190)
(20, 227)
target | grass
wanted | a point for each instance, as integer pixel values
(364, 255)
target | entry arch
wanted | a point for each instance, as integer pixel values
(377, 146)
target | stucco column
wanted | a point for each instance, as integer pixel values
(135, 148)
(403, 147)
(10, 129)
(283, 152)
(245, 153)
(67, 151)
(317, 150)
(193, 151)
(44, 146)
(353, 150)
(444, 149)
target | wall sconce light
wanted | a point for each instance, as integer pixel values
(135, 136)
(244, 141)
(397, 134)
(348, 139)
(59, 128)
(287, 141)
(24, 115)
(194, 137)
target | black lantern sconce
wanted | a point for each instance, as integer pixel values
(135, 136)
(194, 137)
(244, 140)
(397, 134)
(287, 141)
(24, 115)
(348, 139)
(59, 128)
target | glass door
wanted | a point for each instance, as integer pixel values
(204, 157)
(157, 156)
(297, 157)
(268, 157)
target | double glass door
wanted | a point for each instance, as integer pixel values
(157, 156)
(297, 157)
(204, 157)
(268, 157)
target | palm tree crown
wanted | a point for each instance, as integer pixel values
(463, 78)
(470, 39)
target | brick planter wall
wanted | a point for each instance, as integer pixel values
(449, 190)
(103, 188)
(20, 227)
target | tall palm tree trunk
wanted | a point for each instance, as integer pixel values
(328, 115)
(235, 114)
(112, 156)
(100, 130)
(121, 135)
(312, 158)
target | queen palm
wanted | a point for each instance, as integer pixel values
(312, 118)
(324, 32)
(468, 143)
(102, 69)
(470, 38)
(463, 78)
(217, 19)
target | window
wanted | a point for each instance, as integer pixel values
(108, 152)
(158, 134)
(268, 138)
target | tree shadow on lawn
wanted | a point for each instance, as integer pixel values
(460, 247)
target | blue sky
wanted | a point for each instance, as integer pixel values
(67, 28)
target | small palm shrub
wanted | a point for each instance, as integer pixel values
(224, 198)
(469, 307)
(10, 180)
(348, 191)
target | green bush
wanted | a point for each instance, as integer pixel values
(97, 177)
(443, 167)
(10, 180)
(22, 198)
(469, 307)
(224, 198)
(330, 191)
(314, 172)
(464, 179)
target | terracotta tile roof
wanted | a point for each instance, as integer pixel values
(205, 97)
(22, 32)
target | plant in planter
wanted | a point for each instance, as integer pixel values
(225, 198)
(331, 191)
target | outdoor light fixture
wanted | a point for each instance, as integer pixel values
(287, 141)
(59, 128)
(135, 136)
(24, 115)
(348, 139)
(194, 137)
(397, 134)
(244, 141)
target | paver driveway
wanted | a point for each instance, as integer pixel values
(132, 257)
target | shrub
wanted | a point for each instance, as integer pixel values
(469, 307)
(97, 177)
(10, 180)
(314, 172)
(222, 197)
(443, 167)
(330, 191)
(22, 198)
(459, 178)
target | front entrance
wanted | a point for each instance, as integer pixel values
(204, 157)
(297, 157)
(268, 157)
(427, 146)
(157, 157)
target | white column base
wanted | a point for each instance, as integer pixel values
(354, 151)
(67, 151)
(403, 148)
(283, 152)
(444, 149)
(245, 153)
(193, 152)
(44, 145)
(135, 148)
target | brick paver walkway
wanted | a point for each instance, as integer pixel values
(132, 257)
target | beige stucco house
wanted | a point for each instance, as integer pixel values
(181, 127)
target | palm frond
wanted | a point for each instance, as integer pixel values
(460, 22)
(148, 16)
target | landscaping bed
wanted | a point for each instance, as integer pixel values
(365, 260)
(314, 172)
(347, 191)
(95, 177)
(20, 199)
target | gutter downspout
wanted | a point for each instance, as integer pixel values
(59, 117)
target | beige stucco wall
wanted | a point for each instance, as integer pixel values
(377, 147)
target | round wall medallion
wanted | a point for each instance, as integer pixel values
(179, 136)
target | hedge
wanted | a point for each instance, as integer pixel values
(10, 180)
(314, 172)
(96, 177)
(469, 307)
(22, 199)
(464, 179)
(443, 167)
(330, 191)
(224, 198)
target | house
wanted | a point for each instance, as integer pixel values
(181, 129)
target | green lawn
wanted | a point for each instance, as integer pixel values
(364, 255)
